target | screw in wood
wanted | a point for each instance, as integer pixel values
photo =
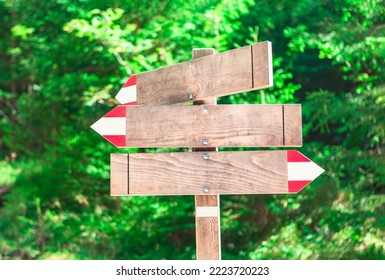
(205, 141)
(206, 189)
(205, 109)
(206, 156)
(190, 95)
(190, 64)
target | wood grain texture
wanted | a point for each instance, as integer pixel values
(292, 125)
(119, 174)
(248, 172)
(201, 52)
(221, 125)
(217, 75)
(206, 200)
(208, 230)
(208, 238)
(262, 65)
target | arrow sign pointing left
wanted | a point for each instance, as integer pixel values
(243, 69)
(202, 126)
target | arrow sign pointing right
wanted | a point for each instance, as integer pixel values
(300, 171)
(206, 173)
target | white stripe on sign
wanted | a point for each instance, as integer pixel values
(206, 211)
(110, 126)
(127, 94)
(303, 171)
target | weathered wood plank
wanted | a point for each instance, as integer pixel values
(207, 210)
(226, 73)
(221, 126)
(119, 174)
(292, 125)
(201, 52)
(206, 200)
(212, 76)
(262, 65)
(251, 172)
(222, 74)
(208, 248)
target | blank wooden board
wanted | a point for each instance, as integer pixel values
(218, 125)
(239, 70)
(201, 173)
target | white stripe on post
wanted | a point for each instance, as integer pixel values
(206, 211)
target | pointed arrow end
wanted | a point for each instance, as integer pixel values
(301, 171)
(119, 141)
(95, 126)
(127, 94)
(112, 126)
(318, 170)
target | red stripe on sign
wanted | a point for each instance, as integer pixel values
(294, 156)
(119, 111)
(116, 140)
(131, 81)
(296, 186)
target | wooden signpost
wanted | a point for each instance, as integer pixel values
(207, 207)
(205, 172)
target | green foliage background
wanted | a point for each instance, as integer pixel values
(63, 61)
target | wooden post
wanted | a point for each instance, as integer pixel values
(207, 211)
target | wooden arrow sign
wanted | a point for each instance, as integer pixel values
(226, 73)
(206, 173)
(202, 126)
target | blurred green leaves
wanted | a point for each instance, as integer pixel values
(62, 62)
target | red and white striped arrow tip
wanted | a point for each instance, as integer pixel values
(127, 94)
(300, 171)
(112, 126)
